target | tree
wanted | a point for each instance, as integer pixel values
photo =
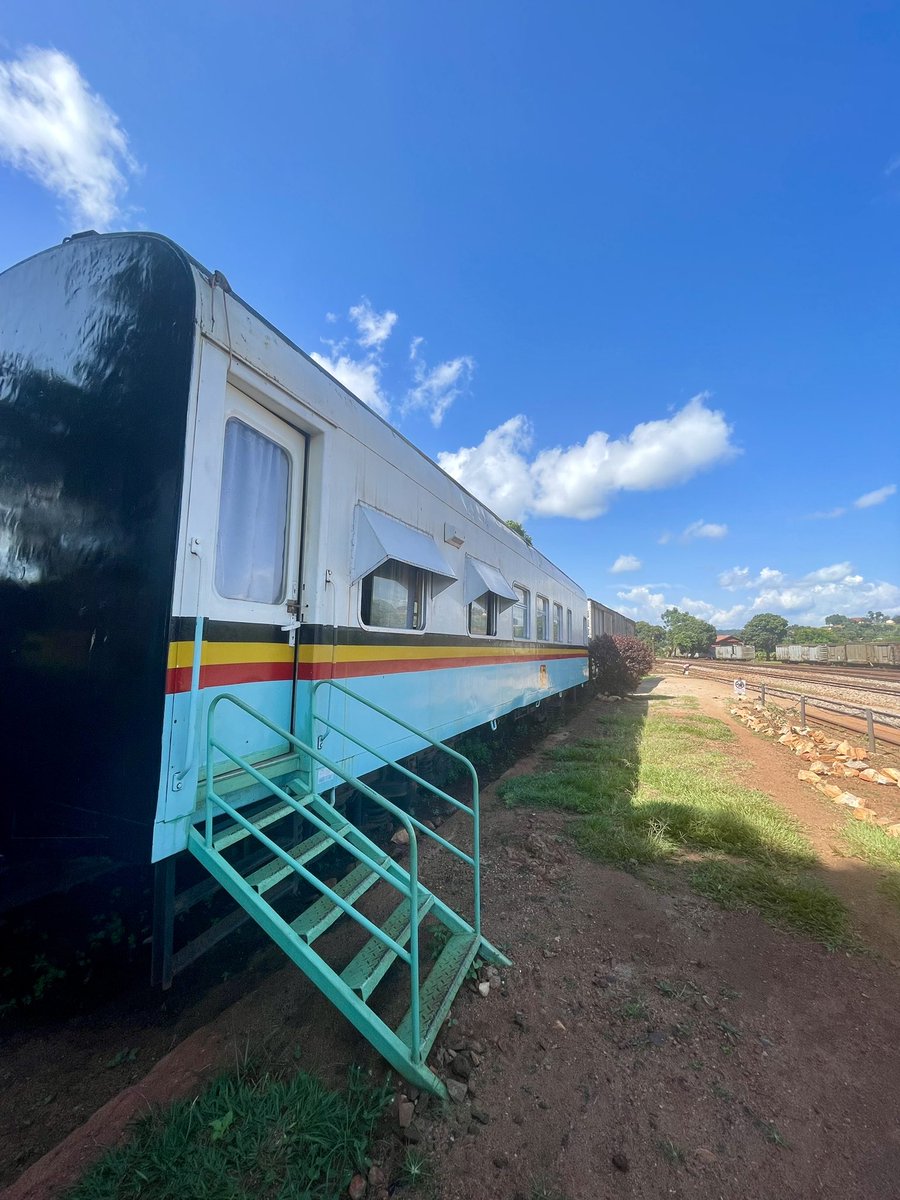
(837, 619)
(686, 634)
(653, 635)
(875, 618)
(765, 631)
(519, 528)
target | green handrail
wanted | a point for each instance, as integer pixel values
(475, 810)
(412, 956)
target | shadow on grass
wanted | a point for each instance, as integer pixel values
(651, 787)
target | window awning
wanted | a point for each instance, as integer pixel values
(379, 537)
(481, 578)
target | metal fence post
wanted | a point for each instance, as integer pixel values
(803, 712)
(870, 727)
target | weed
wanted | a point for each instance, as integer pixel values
(672, 1153)
(543, 1190)
(633, 1010)
(122, 1058)
(768, 1129)
(416, 1169)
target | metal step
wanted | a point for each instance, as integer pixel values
(323, 914)
(233, 832)
(364, 972)
(440, 988)
(277, 869)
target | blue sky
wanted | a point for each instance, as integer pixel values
(631, 272)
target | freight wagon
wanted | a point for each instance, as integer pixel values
(606, 620)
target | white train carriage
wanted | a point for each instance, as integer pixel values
(229, 589)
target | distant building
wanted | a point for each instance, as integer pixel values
(728, 639)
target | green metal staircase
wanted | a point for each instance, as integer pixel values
(292, 800)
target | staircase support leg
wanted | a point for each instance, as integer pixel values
(161, 960)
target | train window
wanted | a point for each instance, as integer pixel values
(521, 623)
(569, 637)
(557, 622)
(393, 597)
(542, 618)
(483, 615)
(253, 516)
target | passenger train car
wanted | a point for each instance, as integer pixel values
(189, 505)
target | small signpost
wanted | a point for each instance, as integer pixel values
(740, 688)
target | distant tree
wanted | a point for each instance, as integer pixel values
(687, 634)
(837, 619)
(765, 631)
(652, 635)
(519, 528)
(875, 618)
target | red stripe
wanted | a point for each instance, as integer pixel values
(178, 679)
(400, 666)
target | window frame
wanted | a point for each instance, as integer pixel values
(541, 610)
(570, 628)
(492, 612)
(525, 603)
(557, 625)
(422, 596)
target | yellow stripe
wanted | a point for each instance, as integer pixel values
(181, 654)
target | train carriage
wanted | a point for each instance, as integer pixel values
(223, 580)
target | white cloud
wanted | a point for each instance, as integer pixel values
(831, 515)
(64, 136)
(664, 539)
(740, 577)
(362, 377)
(435, 388)
(807, 600)
(642, 604)
(703, 529)
(715, 615)
(626, 562)
(578, 481)
(893, 165)
(373, 329)
(870, 499)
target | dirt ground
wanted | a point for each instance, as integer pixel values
(643, 1044)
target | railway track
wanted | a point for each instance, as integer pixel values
(878, 681)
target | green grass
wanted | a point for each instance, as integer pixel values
(250, 1138)
(668, 789)
(795, 901)
(872, 845)
(662, 786)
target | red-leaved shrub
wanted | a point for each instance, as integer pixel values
(618, 664)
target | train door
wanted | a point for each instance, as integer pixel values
(249, 587)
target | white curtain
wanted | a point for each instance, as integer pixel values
(253, 516)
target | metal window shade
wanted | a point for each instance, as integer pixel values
(378, 537)
(481, 578)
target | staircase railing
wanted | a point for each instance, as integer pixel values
(411, 890)
(473, 810)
